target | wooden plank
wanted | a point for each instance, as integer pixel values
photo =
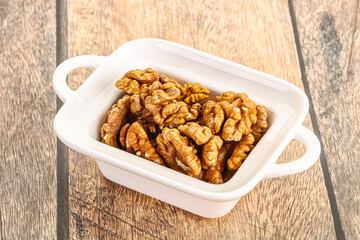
(27, 106)
(330, 43)
(254, 33)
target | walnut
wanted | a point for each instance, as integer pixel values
(159, 98)
(213, 176)
(132, 80)
(177, 152)
(145, 89)
(229, 96)
(115, 118)
(223, 154)
(259, 128)
(200, 134)
(194, 112)
(172, 115)
(190, 93)
(233, 127)
(165, 79)
(128, 85)
(213, 116)
(165, 94)
(193, 93)
(135, 103)
(250, 106)
(122, 135)
(146, 76)
(138, 99)
(165, 106)
(137, 141)
(210, 152)
(240, 115)
(240, 153)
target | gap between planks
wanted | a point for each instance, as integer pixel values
(62, 156)
(324, 165)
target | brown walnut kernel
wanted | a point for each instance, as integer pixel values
(146, 76)
(132, 80)
(200, 134)
(233, 128)
(194, 93)
(259, 128)
(211, 175)
(250, 106)
(223, 154)
(172, 115)
(177, 152)
(166, 93)
(135, 103)
(194, 112)
(213, 116)
(165, 79)
(229, 96)
(210, 153)
(240, 153)
(128, 85)
(158, 98)
(111, 128)
(137, 141)
(122, 135)
(240, 115)
(175, 114)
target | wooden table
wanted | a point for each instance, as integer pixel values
(49, 191)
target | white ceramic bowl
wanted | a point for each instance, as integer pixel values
(78, 122)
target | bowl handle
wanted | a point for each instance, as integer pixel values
(59, 78)
(306, 161)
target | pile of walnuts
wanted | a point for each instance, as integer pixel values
(164, 122)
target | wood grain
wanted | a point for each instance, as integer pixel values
(27, 106)
(330, 42)
(257, 34)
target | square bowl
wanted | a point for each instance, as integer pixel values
(79, 120)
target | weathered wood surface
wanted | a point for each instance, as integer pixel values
(330, 44)
(27, 106)
(257, 34)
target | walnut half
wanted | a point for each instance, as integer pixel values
(259, 128)
(240, 116)
(111, 128)
(213, 116)
(200, 134)
(138, 142)
(132, 80)
(213, 176)
(210, 153)
(178, 152)
(194, 93)
(240, 153)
